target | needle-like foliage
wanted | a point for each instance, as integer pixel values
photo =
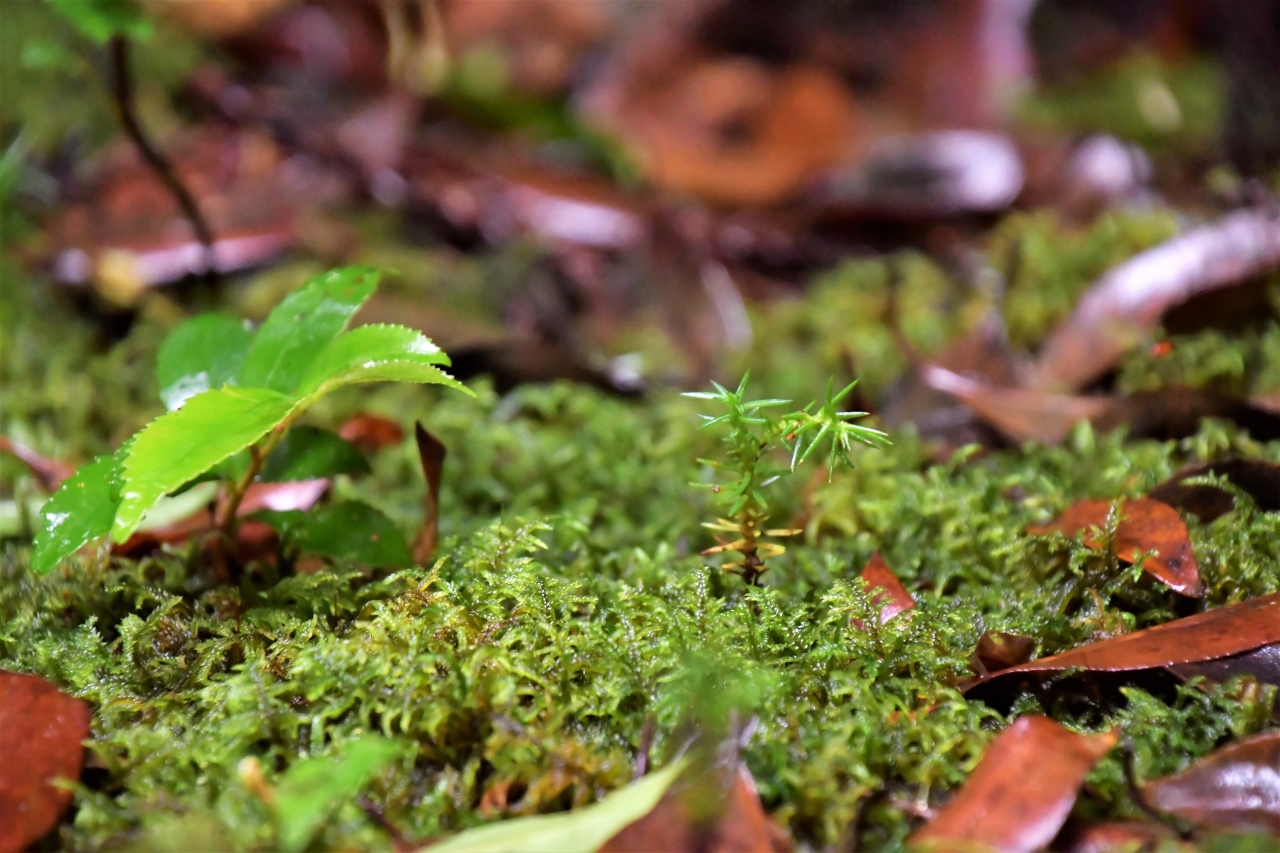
(754, 434)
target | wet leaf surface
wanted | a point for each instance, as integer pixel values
(1126, 304)
(1146, 525)
(1021, 792)
(1235, 787)
(1210, 636)
(41, 730)
(83, 509)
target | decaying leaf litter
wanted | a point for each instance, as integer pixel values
(1041, 617)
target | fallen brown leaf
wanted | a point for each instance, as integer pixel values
(41, 730)
(370, 432)
(1022, 414)
(997, 650)
(1019, 414)
(1213, 635)
(1021, 792)
(1236, 787)
(1116, 837)
(432, 452)
(1261, 480)
(1147, 525)
(887, 592)
(1127, 303)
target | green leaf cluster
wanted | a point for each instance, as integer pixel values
(230, 389)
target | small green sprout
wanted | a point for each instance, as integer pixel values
(754, 433)
(234, 394)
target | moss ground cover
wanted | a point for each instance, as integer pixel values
(569, 606)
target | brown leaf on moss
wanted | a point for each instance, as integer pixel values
(1261, 480)
(734, 130)
(370, 432)
(1115, 836)
(997, 650)
(41, 729)
(1214, 635)
(431, 451)
(739, 826)
(1146, 525)
(1021, 792)
(1127, 303)
(1018, 414)
(1235, 787)
(887, 592)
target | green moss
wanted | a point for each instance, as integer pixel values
(569, 604)
(1166, 107)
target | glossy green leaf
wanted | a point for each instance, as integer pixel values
(179, 446)
(102, 19)
(204, 352)
(583, 830)
(307, 453)
(314, 787)
(378, 353)
(302, 325)
(82, 509)
(349, 530)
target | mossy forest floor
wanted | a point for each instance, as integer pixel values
(568, 604)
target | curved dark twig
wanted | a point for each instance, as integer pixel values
(122, 92)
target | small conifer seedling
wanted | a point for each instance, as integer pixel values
(233, 393)
(754, 433)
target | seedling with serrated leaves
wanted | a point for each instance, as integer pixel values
(754, 434)
(233, 394)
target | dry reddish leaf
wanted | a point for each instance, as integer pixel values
(886, 590)
(1022, 414)
(41, 729)
(734, 130)
(1117, 836)
(1261, 480)
(1221, 633)
(432, 452)
(741, 826)
(1022, 790)
(1146, 525)
(997, 650)
(1019, 414)
(1127, 303)
(50, 472)
(1177, 412)
(370, 432)
(1236, 787)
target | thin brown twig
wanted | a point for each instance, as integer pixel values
(122, 92)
